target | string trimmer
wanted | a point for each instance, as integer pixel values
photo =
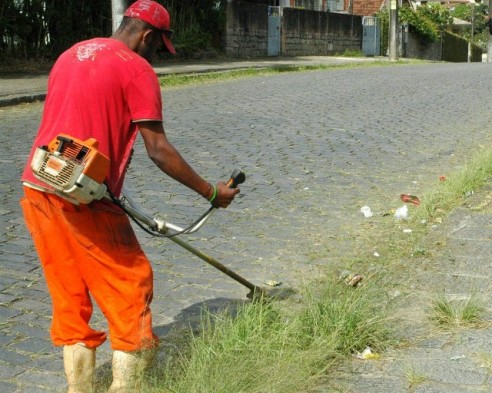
(157, 227)
(76, 169)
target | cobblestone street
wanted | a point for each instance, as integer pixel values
(315, 146)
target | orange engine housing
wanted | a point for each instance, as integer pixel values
(74, 167)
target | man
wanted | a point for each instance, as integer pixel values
(105, 89)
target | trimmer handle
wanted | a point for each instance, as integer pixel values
(237, 177)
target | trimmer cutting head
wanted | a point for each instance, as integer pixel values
(264, 294)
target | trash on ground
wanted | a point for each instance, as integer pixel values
(401, 213)
(367, 354)
(376, 254)
(407, 231)
(354, 280)
(468, 194)
(388, 213)
(272, 283)
(407, 198)
(442, 178)
(458, 357)
(366, 211)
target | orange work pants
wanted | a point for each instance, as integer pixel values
(91, 250)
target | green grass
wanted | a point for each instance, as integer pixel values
(289, 346)
(450, 193)
(174, 80)
(415, 377)
(268, 347)
(458, 313)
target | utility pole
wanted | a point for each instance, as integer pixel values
(393, 30)
(472, 33)
(489, 49)
(118, 8)
(489, 42)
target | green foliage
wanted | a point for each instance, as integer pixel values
(383, 16)
(419, 23)
(198, 24)
(45, 28)
(270, 347)
(437, 14)
(477, 15)
(352, 53)
(351, 320)
(191, 41)
(462, 11)
(427, 21)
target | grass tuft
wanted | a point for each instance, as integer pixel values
(458, 313)
(273, 348)
(451, 193)
(414, 377)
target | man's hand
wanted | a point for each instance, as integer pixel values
(225, 195)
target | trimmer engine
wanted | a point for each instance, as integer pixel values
(74, 167)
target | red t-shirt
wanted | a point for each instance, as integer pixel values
(99, 89)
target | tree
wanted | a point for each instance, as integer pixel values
(475, 13)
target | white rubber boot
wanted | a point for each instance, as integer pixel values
(128, 370)
(79, 362)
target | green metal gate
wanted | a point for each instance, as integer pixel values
(371, 36)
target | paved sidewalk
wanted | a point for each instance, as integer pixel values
(456, 266)
(22, 88)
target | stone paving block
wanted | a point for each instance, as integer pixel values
(5, 338)
(7, 313)
(32, 345)
(10, 357)
(39, 322)
(6, 387)
(44, 381)
(32, 305)
(10, 371)
(52, 362)
(6, 281)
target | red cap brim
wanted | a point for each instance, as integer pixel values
(169, 44)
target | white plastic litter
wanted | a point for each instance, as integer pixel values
(367, 354)
(402, 213)
(366, 211)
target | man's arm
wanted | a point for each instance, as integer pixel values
(170, 161)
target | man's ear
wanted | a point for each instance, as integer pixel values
(148, 35)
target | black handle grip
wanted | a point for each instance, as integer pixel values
(237, 177)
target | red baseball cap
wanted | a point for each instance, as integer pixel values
(156, 15)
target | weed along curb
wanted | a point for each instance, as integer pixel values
(440, 319)
(341, 318)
